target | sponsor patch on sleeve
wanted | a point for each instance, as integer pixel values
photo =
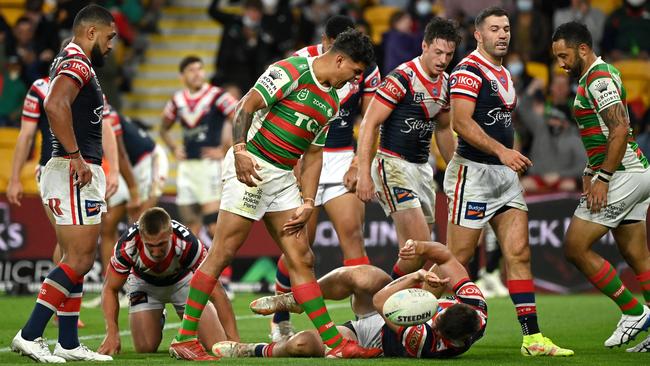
(272, 81)
(604, 93)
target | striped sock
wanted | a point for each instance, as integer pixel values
(397, 272)
(201, 287)
(55, 289)
(264, 349)
(644, 281)
(310, 297)
(356, 261)
(608, 282)
(522, 293)
(68, 314)
(282, 286)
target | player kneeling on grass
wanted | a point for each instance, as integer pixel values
(155, 257)
(459, 322)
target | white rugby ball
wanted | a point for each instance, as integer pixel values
(410, 306)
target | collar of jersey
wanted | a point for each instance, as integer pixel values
(418, 64)
(310, 61)
(77, 48)
(487, 62)
(599, 60)
(197, 93)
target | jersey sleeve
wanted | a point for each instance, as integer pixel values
(76, 68)
(170, 110)
(32, 105)
(319, 140)
(603, 91)
(465, 82)
(193, 250)
(225, 103)
(277, 82)
(371, 81)
(468, 293)
(122, 261)
(393, 89)
(416, 339)
(110, 114)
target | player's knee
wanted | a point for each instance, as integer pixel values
(518, 253)
(80, 264)
(305, 344)
(572, 251)
(147, 345)
(301, 260)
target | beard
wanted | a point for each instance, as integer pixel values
(97, 57)
(576, 70)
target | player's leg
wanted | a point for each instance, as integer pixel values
(191, 217)
(361, 282)
(109, 234)
(347, 214)
(632, 242)
(210, 329)
(409, 224)
(146, 329)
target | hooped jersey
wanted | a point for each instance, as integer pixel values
(297, 113)
(341, 130)
(421, 341)
(185, 254)
(202, 116)
(34, 112)
(415, 100)
(490, 87)
(87, 107)
(598, 89)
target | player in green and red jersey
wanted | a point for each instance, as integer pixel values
(616, 181)
(283, 117)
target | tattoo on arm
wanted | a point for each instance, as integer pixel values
(241, 123)
(615, 116)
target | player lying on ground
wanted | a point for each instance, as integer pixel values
(155, 257)
(459, 323)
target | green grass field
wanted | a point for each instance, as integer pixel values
(580, 322)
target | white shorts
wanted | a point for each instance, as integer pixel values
(38, 172)
(628, 198)
(368, 329)
(476, 191)
(330, 184)
(278, 190)
(198, 181)
(69, 204)
(160, 169)
(145, 296)
(402, 185)
(144, 176)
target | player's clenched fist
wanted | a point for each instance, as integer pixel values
(245, 166)
(515, 160)
(365, 188)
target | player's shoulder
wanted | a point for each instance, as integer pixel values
(467, 65)
(310, 51)
(181, 231)
(40, 87)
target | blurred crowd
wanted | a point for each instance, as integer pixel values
(263, 31)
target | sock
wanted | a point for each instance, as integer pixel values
(201, 287)
(68, 313)
(356, 261)
(54, 290)
(608, 282)
(310, 297)
(282, 286)
(522, 293)
(264, 349)
(397, 272)
(644, 281)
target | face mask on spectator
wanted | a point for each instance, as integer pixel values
(636, 3)
(249, 23)
(270, 4)
(423, 7)
(516, 68)
(524, 5)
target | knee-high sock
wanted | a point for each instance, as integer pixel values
(608, 282)
(282, 286)
(356, 261)
(310, 297)
(522, 293)
(644, 281)
(68, 314)
(201, 287)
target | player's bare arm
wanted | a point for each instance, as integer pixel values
(245, 164)
(467, 128)
(217, 153)
(445, 139)
(58, 106)
(410, 280)
(126, 170)
(110, 306)
(350, 177)
(109, 146)
(25, 136)
(437, 253)
(616, 119)
(375, 116)
(177, 150)
(312, 162)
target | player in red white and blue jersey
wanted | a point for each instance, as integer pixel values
(481, 181)
(338, 175)
(410, 106)
(155, 257)
(457, 324)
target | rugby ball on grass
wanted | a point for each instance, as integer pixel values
(410, 306)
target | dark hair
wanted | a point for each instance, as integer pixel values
(574, 34)
(34, 5)
(443, 29)
(488, 12)
(458, 322)
(396, 17)
(356, 45)
(187, 61)
(23, 19)
(93, 14)
(254, 4)
(337, 24)
(154, 221)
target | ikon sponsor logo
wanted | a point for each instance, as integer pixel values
(392, 89)
(464, 80)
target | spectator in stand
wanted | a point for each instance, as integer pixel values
(470, 8)
(277, 21)
(12, 92)
(581, 11)
(46, 34)
(313, 15)
(627, 31)
(643, 138)
(245, 46)
(24, 46)
(400, 43)
(556, 151)
(531, 33)
(561, 96)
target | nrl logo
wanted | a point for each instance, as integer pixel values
(494, 85)
(303, 94)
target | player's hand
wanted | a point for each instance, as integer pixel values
(179, 152)
(410, 251)
(365, 188)
(432, 279)
(112, 182)
(350, 178)
(298, 219)
(586, 185)
(514, 160)
(246, 167)
(133, 205)
(14, 192)
(111, 345)
(212, 153)
(597, 196)
(80, 171)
